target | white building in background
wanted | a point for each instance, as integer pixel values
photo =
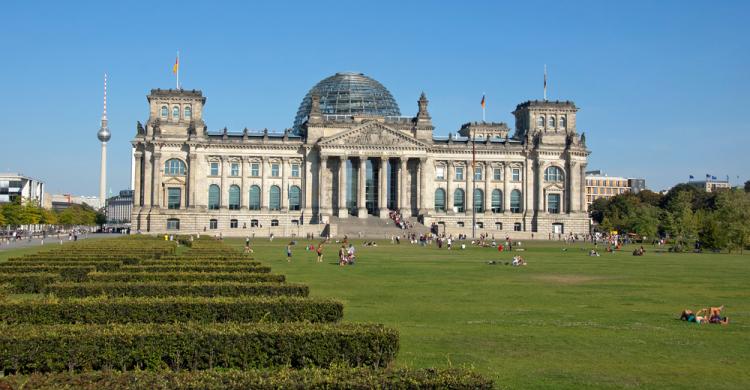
(63, 201)
(15, 185)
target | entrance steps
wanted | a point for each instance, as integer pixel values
(373, 227)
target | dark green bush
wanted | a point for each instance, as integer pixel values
(28, 283)
(246, 277)
(101, 265)
(167, 289)
(194, 268)
(74, 273)
(126, 310)
(194, 262)
(44, 348)
(309, 378)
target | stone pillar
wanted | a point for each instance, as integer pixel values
(244, 191)
(137, 185)
(361, 196)
(487, 191)
(423, 161)
(403, 190)
(323, 204)
(383, 187)
(506, 191)
(540, 201)
(450, 171)
(343, 211)
(284, 191)
(582, 189)
(528, 186)
(264, 187)
(469, 198)
(223, 194)
(191, 197)
(147, 179)
(158, 170)
(307, 185)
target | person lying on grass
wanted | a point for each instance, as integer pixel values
(698, 317)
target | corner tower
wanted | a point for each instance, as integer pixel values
(175, 113)
(554, 120)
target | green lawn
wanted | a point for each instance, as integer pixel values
(566, 320)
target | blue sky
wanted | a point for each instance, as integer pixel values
(662, 86)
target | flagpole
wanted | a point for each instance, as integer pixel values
(178, 69)
(483, 105)
(473, 186)
(545, 82)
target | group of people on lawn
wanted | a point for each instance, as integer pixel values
(710, 315)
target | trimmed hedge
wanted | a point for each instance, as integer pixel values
(44, 348)
(170, 310)
(194, 262)
(75, 259)
(245, 277)
(74, 273)
(194, 268)
(4, 290)
(340, 378)
(29, 283)
(160, 289)
(101, 266)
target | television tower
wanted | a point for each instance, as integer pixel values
(104, 135)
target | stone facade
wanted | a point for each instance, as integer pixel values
(189, 180)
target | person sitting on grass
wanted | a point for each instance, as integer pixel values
(715, 317)
(593, 253)
(698, 317)
(518, 261)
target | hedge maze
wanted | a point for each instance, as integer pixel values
(143, 313)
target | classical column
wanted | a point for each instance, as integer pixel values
(284, 191)
(402, 183)
(487, 194)
(147, 178)
(506, 190)
(361, 195)
(307, 186)
(223, 194)
(244, 195)
(583, 207)
(383, 187)
(323, 205)
(264, 187)
(469, 198)
(343, 211)
(190, 187)
(137, 186)
(539, 206)
(158, 170)
(422, 185)
(450, 171)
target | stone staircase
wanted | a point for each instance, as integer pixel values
(373, 227)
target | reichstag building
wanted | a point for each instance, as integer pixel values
(351, 154)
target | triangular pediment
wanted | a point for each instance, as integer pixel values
(554, 187)
(373, 134)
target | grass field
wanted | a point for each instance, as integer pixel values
(566, 320)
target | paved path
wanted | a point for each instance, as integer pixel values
(52, 239)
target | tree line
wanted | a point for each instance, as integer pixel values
(20, 213)
(687, 215)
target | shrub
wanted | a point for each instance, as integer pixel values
(101, 265)
(25, 349)
(337, 378)
(28, 283)
(170, 310)
(73, 273)
(162, 289)
(195, 262)
(246, 277)
(193, 268)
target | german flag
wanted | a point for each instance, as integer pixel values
(176, 66)
(483, 103)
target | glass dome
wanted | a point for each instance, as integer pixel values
(348, 93)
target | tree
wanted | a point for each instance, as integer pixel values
(747, 186)
(2, 219)
(597, 209)
(733, 215)
(650, 197)
(13, 213)
(679, 219)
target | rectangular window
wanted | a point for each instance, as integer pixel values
(553, 203)
(295, 170)
(253, 223)
(274, 222)
(275, 170)
(233, 223)
(459, 173)
(255, 169)
(213, 224)
(499, 225)
(235, 171)
(173, 198)
(497, 174)
(214, 169)
(173, 224)
(517, 227)
(477, 173)
(440, 173)
(516, 174)
(596, 190)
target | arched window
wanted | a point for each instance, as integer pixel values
(176, 112)
(188, 112)
(174, 167)
(515, 201)
(164, 112)
(234, 197)
(214, 197)
(274, 198)
(563, 122)
(294, 198)
(439, 199)
(551, 122)
(458, 200)
(254, 203)
(478, 200)
(553, 174)
(497, 201)
(540, 121)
